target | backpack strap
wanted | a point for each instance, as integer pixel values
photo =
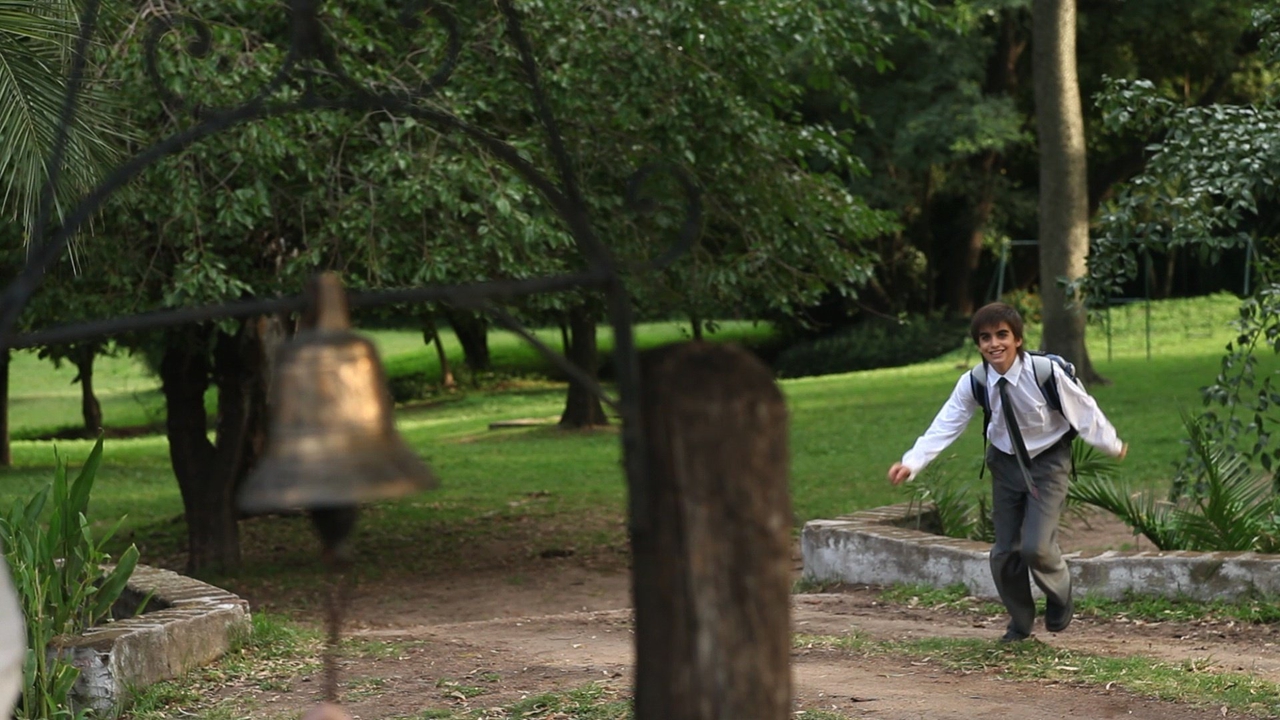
(1046, 380)
(978, 386)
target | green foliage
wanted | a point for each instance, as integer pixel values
(1234, 509)
(35, 61)
(1242, 395)
(1027, 303)
(57, 568)
(873, 343)
(395, 200)
(1202, 186)
(1209, 176)
(959, 509)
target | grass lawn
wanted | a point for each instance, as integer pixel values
(845, 432)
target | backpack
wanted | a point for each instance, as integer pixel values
(1042, 365)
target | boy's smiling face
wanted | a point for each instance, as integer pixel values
(999, 346)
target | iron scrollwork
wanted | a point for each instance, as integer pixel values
(311, 77)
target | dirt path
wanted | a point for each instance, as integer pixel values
(485, 640)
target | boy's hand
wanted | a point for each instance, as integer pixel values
(899, 473)
(1124, 450)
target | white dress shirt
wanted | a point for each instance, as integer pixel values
(1041, 425)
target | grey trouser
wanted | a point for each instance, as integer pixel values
(1027, 531)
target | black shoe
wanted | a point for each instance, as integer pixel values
(1058, 617)
(1013, 636)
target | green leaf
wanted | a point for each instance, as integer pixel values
(114, 584)
(83, 484)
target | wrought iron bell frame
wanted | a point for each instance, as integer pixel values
(311, 64)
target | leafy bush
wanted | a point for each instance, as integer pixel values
(958, 510)
(1236, 508)
(57, 569)
(1243, 392)
(873, 343)
(1027, 303)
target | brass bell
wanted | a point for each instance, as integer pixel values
(332, 441)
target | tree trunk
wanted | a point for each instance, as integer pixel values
(582, 408)
(696, 322)
(6, 454)
(213, 540)
(473, 334)
(431, 336)
(1064, 196)
(90, 408)
(711, 539)
(209, 473)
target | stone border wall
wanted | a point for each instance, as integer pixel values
(193, 624)
(881, 547)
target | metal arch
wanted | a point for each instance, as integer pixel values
(329, 86)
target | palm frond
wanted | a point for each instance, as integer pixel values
(953, 504)
(34, 42)
(1140, 511)
(1088, 460)
(1236, 507)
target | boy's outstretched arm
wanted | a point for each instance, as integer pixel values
(950, 421)
(1082, 411)
(899, 473)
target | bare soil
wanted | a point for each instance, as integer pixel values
(471, 640)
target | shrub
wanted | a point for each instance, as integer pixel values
(57, 569)
(959, 512)
(1027, 303)
(871, 344)
(1235, 510)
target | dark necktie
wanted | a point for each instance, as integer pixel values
(1019, 447)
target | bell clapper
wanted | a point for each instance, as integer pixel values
(334, 526)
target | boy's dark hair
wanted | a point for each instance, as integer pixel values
(989, 316)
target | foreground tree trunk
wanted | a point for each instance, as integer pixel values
(1064, 196)
(581, 407)
(90, 408)
(711, 539)
(209, 472)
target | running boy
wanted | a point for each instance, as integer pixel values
(1028, 488)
